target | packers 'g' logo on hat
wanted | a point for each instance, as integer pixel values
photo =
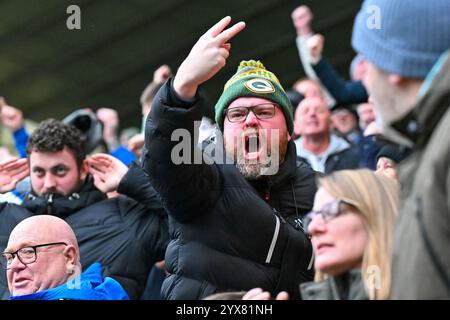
(259, 86)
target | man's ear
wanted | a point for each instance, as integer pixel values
(71, 258)
(84, 170)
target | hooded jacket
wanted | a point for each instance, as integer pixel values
(90, 285)
(227, 234)
(126, 234)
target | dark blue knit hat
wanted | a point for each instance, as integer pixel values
(404, 37)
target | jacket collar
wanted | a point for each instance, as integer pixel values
(62, 206)
(347, 286)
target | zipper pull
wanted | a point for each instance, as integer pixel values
(50, 203)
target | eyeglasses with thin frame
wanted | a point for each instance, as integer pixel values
(26, 255)
(261, 111)
(329, 211)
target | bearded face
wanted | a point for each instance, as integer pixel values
(257, 144)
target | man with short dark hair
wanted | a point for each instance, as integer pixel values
(127, 234)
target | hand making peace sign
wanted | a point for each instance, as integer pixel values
(206, 58)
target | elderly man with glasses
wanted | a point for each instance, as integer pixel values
(42, 262)
(235, 219)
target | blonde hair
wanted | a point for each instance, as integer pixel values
(376, 199)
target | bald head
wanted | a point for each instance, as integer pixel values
(42, 229)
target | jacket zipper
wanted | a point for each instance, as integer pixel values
(274, 239)
(50, 204)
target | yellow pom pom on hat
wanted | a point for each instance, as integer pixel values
(252, 79)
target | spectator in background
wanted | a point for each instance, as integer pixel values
(389, 157)
(407, 48)
(344, 121)
(366, 114)
(126, 134)
(351, 229)
(310, 47)
(318, 146)
(98, 126)
(301, 18)
(42, 262)
(308, 88)
(110, 120)
(12, 119)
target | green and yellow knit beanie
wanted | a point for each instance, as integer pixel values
(253, 80)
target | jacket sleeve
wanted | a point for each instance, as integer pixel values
(146, 210)
(345, 92)
(187, 186)
(305, 58)
(20, 141)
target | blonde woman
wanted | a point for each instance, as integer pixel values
(351, 230)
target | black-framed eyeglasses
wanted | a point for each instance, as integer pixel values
(26, 255)
(329, 211)
(261, 111)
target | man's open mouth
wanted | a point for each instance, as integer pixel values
(252, 147)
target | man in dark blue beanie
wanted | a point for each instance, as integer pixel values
(406, 43)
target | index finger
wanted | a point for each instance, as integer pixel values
(101, 156)
(219, 26)
(226, 35)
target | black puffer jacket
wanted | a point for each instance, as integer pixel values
(126, 236)
(225, 235)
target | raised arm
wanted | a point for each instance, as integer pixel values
(344, 92)
(206, 58)
(187, 188)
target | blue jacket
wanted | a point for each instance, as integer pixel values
(91, 287)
